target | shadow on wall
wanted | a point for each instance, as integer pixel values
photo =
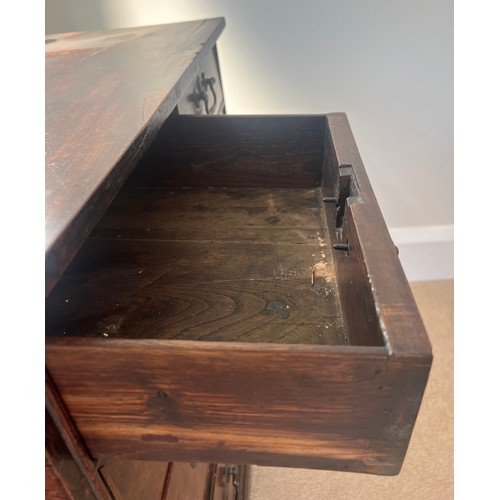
(63, 15)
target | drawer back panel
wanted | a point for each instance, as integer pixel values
(229, 151)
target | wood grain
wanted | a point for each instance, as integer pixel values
(250, 215)
(55, 486)
(108, 93)
(341, 408)
(325, 406)
(63, 475)
(358, 307)
(363, 326)
(397, 315)
(225, 264)
(67, 452)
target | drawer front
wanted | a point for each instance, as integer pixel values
(204, 96)
(150, 480)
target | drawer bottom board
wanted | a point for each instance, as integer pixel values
(217, 264)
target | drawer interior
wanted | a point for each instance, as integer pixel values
(220, 234)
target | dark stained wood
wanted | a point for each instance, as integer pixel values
(228, 262)
(204, 265)
(67, 451)
(342, 408)
(249, 151)
(397, 314)
(250, 215)
(358, 308)
(54, 485)
(63, 476)
(108, 93)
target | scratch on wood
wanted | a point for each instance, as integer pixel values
(58, 178)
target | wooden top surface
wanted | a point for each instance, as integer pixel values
(107, 93)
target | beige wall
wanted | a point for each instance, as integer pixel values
(387, 64)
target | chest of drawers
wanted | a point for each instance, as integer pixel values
(220, 289)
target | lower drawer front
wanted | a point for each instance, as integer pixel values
(242, 302)
(148, 480)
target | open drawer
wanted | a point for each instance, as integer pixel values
(241, 301)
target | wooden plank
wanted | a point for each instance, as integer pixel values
(136, 479)
(108, 93)
(245, 275)
(358, 308)
(250, 151)
(54, 485)
(361, 321)
(253, 215)
(341, 408)
(397, 315)
(334, 407)
(67, 452)
(63, 475)
(190, 480)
